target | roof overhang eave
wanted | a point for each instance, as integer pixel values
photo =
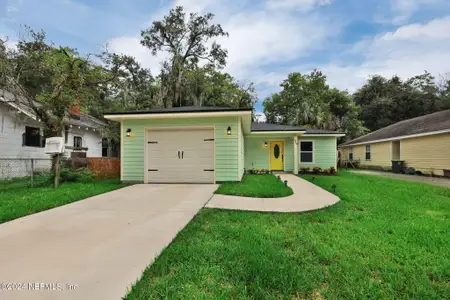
(120, 117)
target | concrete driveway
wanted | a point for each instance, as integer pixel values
(95, 248)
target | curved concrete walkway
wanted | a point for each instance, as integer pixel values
(306, 197)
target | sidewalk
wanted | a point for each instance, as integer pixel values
(306, 197)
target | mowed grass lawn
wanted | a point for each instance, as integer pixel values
(386, 239)
(259, 186)
(17, 200)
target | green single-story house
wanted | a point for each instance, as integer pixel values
(214, 144)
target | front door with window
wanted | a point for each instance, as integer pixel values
(277, 155)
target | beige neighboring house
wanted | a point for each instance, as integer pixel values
(422, 143)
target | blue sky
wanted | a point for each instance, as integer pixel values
(347, 39)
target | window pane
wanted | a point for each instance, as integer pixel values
(306, 146)
(368, 155)
(32, 136)
(306, 157)
(350, 156)
(367, 148)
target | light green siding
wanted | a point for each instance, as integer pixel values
(257, 156)
(226, 147)
(242, 152)
(289, 155)
(324, 152)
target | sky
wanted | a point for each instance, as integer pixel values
(348, 40)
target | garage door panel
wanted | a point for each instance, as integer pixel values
(197, 156)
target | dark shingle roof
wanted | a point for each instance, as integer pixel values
(424, 124)
(182, 109)
(277, 127)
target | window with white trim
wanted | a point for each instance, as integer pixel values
(77, 142)
(306, 151)
(368, 152)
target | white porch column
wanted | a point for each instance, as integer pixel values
(296, 154)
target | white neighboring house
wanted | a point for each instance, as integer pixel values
(21, 137)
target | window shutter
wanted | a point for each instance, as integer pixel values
(24, 139)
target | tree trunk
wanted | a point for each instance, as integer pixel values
(57, 162)
(178, 88)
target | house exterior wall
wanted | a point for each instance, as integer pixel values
(226, 147)
(380, 155)
(258, 157)
(91, 139)
(241, 151)
(428, 154)
(12, 126)
(324, 152)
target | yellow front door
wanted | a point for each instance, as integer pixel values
(277, 155)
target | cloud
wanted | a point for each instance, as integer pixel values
(258, 37)
(406, 52)
(131, 45)
(303, 5)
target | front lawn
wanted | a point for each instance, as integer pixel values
(259, 186)
(16, 200)
(386, 239)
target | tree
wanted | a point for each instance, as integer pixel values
(386, 101)
(186, 41)
(50, 80)
(307, 100)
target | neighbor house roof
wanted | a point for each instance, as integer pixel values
(434, 123)
(264, 127)
(182, 109)
(21, 105)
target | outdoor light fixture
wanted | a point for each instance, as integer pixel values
(129, 132)
(334, 188)
(278, 177)
(229, 130)
(285, 182)
(265, 144)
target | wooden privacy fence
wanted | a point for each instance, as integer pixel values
(104, 167)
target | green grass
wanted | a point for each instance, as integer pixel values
(259, 186)
(386, 239)
(17, 201)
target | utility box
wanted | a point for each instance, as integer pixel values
(398, 166)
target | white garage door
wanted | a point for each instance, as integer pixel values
(180, 156)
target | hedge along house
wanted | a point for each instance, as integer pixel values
(421, 143)
(214, 144)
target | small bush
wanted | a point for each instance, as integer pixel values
(305, 170)
(81, 175)
(316, 170)
(332, 170)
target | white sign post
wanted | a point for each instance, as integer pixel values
(54, 145)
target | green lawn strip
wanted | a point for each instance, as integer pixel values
(15, 202)
(259, 186)
(385, 239)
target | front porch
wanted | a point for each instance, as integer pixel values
(295, 152)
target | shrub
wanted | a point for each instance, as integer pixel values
(410, 171)
(305, 170)
(81, 175)
(332, 170)
(316, 170)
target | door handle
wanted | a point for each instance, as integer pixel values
(182, 154)
(178, 154)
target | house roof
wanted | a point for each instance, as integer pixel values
(259, 127)
(428, 124)
(182, 109)
(20, 104)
